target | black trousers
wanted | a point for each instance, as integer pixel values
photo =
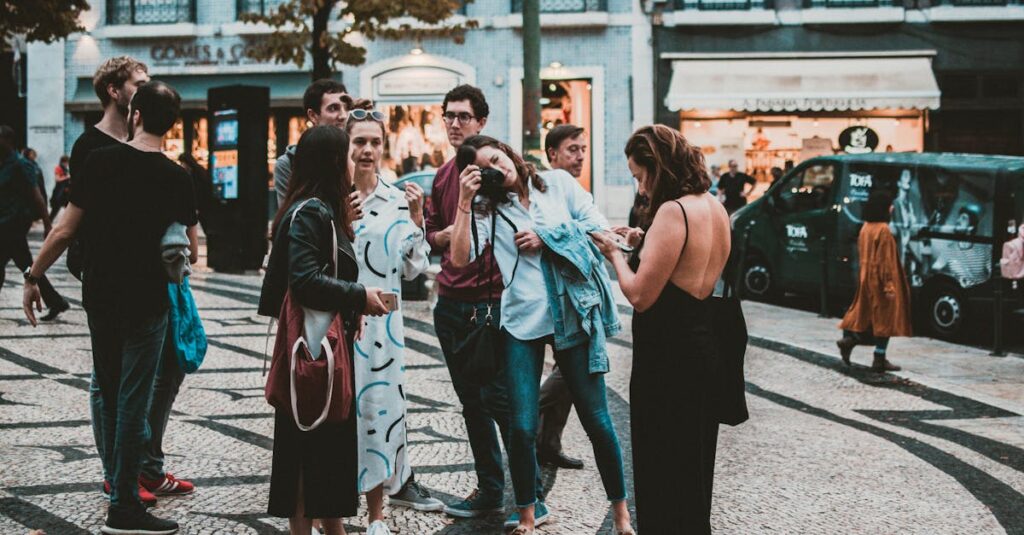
(15, 247)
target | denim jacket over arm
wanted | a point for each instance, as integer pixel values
(579, 290)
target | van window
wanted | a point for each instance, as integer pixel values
(809, 189)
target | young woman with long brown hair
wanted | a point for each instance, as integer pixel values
(314, 473)
(529, 203)
(680, 256)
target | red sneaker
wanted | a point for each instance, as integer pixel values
(168, 486)
(147, 498)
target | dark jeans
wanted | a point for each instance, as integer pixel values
(881, 343)
(482, 406)
(525, 361)
(165, 389)
(125, 355)
(15, 247)
(555, 406)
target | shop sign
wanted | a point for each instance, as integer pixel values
(858, 140)
(804, 104)
(416, 82)
(196, 54)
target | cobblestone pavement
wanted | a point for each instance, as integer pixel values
(827, 450)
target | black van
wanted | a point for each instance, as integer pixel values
(952, 212)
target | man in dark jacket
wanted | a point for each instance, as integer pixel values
(20, 200)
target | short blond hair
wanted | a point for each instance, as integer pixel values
(115, 71)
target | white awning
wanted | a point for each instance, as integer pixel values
(773, 84)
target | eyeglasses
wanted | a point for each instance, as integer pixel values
(463, 117)
(361, 115)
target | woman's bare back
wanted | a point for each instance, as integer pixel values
(708, 243)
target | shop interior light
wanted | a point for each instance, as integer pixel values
(418, 49)
(552, 87)
(815, 123)
(556, 65)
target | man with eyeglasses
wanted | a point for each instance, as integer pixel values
(463, 294)
(326, 101)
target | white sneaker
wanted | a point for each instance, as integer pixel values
(378, 528)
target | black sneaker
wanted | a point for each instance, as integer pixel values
(55, 311)
(416, 497)
(137, 522)
(475, 505)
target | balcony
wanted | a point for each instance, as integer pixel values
(129, 12)
(852, 3)
(724, 5)
(565, 6)
(259, 7)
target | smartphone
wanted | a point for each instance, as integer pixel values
(617, 239)
(390, 300)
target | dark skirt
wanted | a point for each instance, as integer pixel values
(674, 435)
(327, 460)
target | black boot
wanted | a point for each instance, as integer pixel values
(882, 364)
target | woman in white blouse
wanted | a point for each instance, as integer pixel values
(532, 200)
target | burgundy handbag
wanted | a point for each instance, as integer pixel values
(314, 390)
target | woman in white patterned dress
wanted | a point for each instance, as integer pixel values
(390, 245)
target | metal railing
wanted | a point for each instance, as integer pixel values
(150, 11)
(564, 6)
(852, 3)
(724, 5)
(978, 2)
(259, 7)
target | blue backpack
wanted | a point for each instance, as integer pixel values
(187, 331)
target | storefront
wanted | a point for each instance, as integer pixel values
(778, 109)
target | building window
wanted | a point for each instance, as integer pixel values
(977, 2)
(150, 11)
(724, 5)
(564, 6)
(852, 3)
(259, 7)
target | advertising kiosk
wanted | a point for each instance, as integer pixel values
(237, 132)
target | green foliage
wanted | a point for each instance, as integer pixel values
(301, 27)
(40, 20)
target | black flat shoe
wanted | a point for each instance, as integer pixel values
(846, 345)
(559, 460)
(55, 311)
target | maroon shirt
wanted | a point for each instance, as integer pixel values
(462, 284)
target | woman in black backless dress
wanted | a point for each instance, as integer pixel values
(686, 245)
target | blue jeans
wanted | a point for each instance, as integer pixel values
(125, 354)
(525, 361)
(482, 406)
(169, 377)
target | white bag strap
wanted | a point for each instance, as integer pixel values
(330, 385)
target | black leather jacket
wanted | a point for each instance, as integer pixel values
(301, 260)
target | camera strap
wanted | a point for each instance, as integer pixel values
(493, 262)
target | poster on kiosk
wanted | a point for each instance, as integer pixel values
(237, 122)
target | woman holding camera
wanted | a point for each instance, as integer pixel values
(669, 280)
(314, 473)
(524, 203)
(390, 245)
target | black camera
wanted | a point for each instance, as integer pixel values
(492, 181)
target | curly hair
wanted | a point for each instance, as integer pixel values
(115, 71)
(674, 166)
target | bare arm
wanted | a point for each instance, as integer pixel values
(469, 183)
(193, 244)
(664, 241)
(58, 240)
(40, 202)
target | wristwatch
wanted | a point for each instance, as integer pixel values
(29, 278)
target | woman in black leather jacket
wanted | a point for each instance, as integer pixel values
(310, 469)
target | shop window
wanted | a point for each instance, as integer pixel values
(150, 11)
(259, 7)
(568, 102)
(564, 6)
(417, 140)
(810, 189)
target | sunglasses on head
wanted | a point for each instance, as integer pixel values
(362, 115)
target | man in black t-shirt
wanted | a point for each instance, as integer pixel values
(128, 195)
(733, 187)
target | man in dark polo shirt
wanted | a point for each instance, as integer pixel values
(461, 294)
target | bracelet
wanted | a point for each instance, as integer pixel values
(464, 210)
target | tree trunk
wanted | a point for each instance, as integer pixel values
(321, 56)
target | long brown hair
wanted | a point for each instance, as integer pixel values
(526, 171)
(320, 169)
(674, 166)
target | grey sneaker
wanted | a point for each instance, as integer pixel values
(416, 497)
(475, 505)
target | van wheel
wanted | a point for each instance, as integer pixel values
(946, 311)
(758, 280)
